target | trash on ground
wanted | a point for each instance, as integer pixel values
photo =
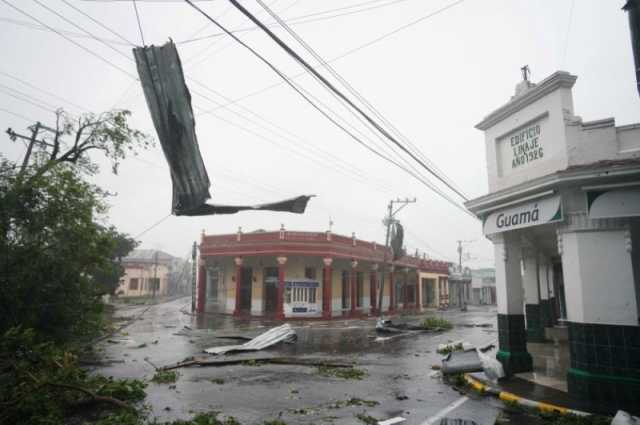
(392, 421)
(271, 337)
(454, 346)
(292, 361)
(435, 374)
(436, 367)
(461, 362)
(492, 367)
(449, 421)
(487, 348)
(623, 418)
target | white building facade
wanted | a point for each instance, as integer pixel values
(563, 214)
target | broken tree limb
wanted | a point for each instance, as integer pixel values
(93, 397)
(292, 361)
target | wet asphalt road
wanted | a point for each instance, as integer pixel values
(396, 368)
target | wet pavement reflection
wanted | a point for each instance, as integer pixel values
(397, 369)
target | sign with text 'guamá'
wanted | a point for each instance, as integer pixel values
(534, 213)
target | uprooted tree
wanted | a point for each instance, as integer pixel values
(56, 254)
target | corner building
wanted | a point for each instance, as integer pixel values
(289, 274)
(563, 214)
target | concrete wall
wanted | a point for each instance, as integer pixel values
(597, 294)
(143, 273)
(549, 112)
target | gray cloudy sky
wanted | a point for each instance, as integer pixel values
(433, 80)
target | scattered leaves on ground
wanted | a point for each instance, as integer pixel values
(342, 372)
(165, 377)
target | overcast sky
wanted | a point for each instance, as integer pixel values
(433, 80)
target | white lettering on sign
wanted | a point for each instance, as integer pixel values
(525, 145)
(543, 211)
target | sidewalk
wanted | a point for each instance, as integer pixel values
(532, 395)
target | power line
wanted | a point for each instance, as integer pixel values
(15, 114)
(331, 87)
(154, 225)
(135, 7)
(26, 100)
(353, 91)
(30, 25)
(92, 53)
(347, 53)
(97, 22)
(315, 106)
(301, 19)
(64, 18)
(26, 83)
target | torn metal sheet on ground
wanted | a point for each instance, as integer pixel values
(272, 336)
(169, 102)
(290, 361)
(461, 362)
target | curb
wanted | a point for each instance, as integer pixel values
(512, 398)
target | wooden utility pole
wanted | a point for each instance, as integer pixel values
(389, 220)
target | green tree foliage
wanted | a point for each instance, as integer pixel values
(56, 255)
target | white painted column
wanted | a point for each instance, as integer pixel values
(598, 277)
(509, 289)
(530, 277)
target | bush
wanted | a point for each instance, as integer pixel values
(436, 323)
(41, 382)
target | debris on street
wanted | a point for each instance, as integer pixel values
(271, 337)
(392, 421)
(461, 362)
(454, 346)
(623, 418)
(449, 421)
(291, 361)
(491, 367)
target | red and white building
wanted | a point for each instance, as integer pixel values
(286, 274)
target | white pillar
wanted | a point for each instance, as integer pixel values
(509, 289)
(530, 277)
(598, 277)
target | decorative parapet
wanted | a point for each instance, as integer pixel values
(323, 244)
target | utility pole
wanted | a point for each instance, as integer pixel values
(388, 221)
(460, 243)
(194, 252)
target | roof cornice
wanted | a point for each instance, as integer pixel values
(556, 80)
(547, 182)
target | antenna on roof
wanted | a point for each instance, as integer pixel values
(526, 72)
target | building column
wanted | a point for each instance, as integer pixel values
(327, 283)
(281, 289)
(392, 290)
(419, 293)
(238, 262)
(598, 259)
(545, 276)
(202, 287)
(531, 284)
(354, 265)
(405, 301)
(373, 285)
(512, 337)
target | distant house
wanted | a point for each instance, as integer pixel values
(483, 286)
(147, 273)
(459, 286)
